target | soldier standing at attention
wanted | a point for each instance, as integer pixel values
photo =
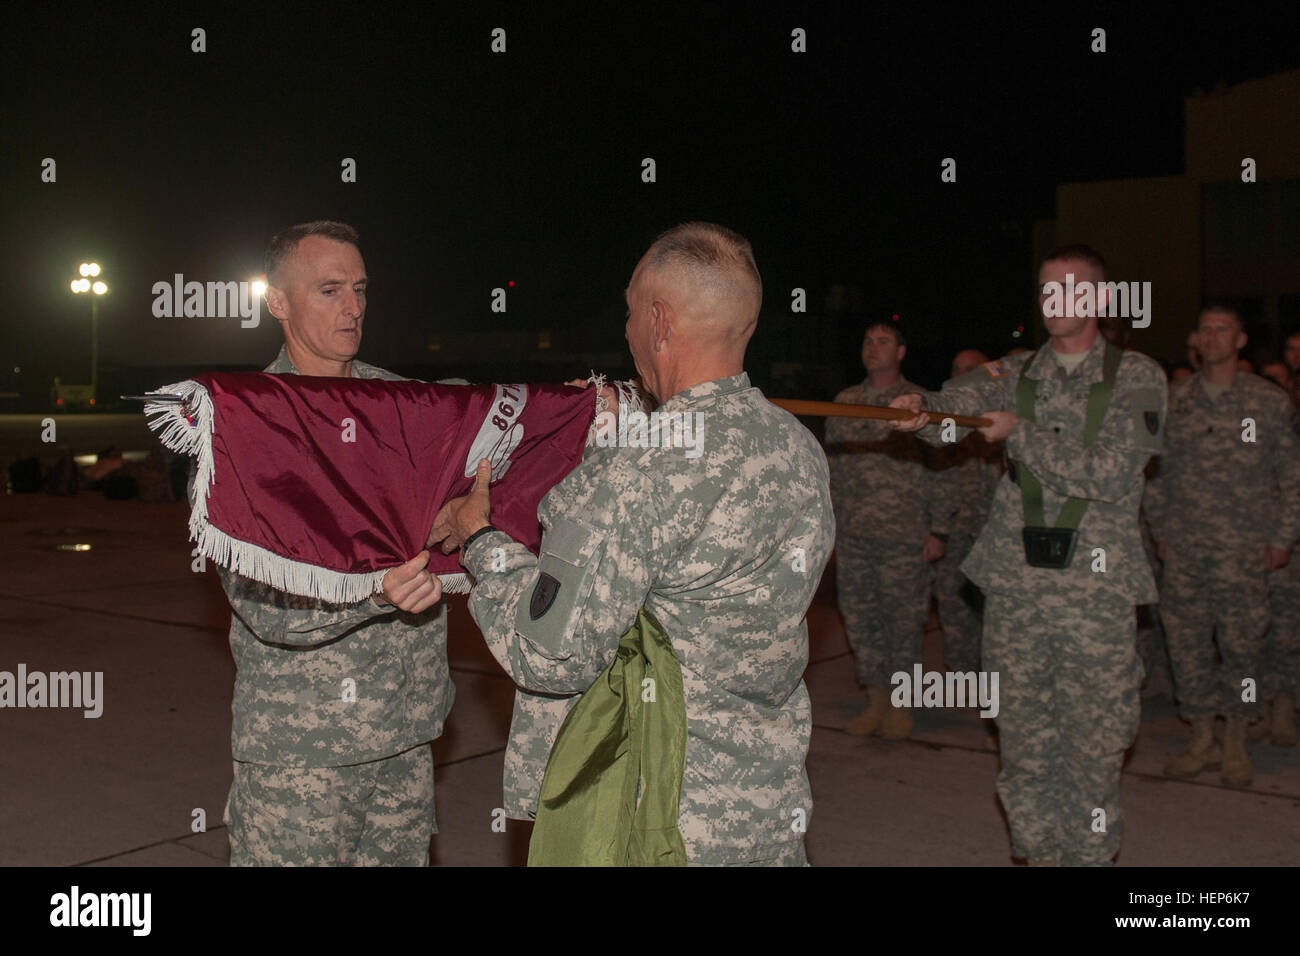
(890, 526)
(1080, 419)
(1224, 509)
(328, 773)
(725, 550)
(1281, 660)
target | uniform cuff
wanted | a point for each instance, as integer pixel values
(475, 558)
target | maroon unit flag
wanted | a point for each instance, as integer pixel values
(318, 486)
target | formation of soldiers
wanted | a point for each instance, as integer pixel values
(1220, 522)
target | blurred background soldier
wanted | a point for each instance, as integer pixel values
(1276, 371)
(1281, 659)
(890, 527)
(1225, 511)
(1291, 354)
(968, 471)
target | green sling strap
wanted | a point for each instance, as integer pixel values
(1099, 398)
(614, 779)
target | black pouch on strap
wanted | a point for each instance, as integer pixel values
(1049, 547)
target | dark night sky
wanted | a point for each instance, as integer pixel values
(475, 169)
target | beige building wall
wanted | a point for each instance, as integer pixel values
(1151, 229)
(1259, 119)
(1148, 230)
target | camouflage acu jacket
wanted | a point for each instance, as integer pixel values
(323, 685)
(1108, 473)
(881, 480)
(726, 550)
(1228, 481)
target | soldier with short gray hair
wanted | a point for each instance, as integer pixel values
(335, 705)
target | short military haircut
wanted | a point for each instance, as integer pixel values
(889, 326)
(282, 244)
(1078, 252)
(708, 249)
(1227, 308)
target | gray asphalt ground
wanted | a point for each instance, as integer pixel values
(122, 790)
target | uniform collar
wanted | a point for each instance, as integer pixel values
(283, 366)
(896, 388)
(1091, 369)
(1231, 392)
(705, 391)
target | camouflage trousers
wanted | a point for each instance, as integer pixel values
(1204, 602)
(1068, 695)
(1151, 639)
(884, 593)
(379, 813)
(1280, 660)
(960, 606)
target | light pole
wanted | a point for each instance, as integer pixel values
(89, 270)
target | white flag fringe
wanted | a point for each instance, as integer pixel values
(186, 428)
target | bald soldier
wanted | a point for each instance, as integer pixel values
(725, 549)
(1061, 564)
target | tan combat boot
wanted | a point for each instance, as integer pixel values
(868, 722)
(1259, 729)
(897, 724)
(1237, 771)
(1202, 752)
(1284, 721)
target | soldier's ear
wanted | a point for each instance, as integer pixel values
(902, 352)
(276, 302)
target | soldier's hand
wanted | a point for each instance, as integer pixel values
(933, 548)
(410, 587)
(1277, 558)
(1003, 422)
(912, 402)
(461, 517)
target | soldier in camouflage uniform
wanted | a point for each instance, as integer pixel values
(334, 705)
(1281, 683)
(970, 470)
(1224, 508)
(725, 549)
(890, 526)
(1063, 639)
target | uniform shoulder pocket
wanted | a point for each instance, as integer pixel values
(549, 615)
(1149, 424)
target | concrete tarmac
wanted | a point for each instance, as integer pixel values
(127, 788)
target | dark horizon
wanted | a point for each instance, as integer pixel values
(477, 169)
